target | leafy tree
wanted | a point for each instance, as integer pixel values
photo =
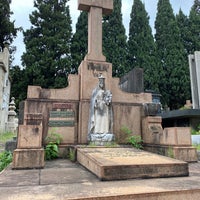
(47, 59)
(7, 28)
(174, 73)
(194, 27)
(141, 46)
(114, 39)
(79, 41)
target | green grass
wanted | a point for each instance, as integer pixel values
(6, 136)
(5, 159)
(197, 146)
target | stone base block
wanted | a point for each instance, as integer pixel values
(28, 158)
(176, 136)
(187, 154)
(129, 163)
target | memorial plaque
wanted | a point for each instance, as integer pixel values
(61, 123)
(61, 114)
(98, 67)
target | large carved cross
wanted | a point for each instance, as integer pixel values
(96, 9)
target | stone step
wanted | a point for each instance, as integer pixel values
(193, 194)
(129, 163)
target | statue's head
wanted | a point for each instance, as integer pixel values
(101, 81)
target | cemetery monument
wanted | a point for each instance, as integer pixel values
(93, 108)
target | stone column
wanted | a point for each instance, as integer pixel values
(194, 64)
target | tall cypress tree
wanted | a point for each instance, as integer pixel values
(183, 24)
(141, 46)
(174, 72)
(114, 40)
(7, 28)
(79, 41)
(194, 27)
(18, 82)
(48, 58)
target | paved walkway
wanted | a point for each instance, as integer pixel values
(63, 180)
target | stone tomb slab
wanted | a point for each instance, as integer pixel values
(129, 163)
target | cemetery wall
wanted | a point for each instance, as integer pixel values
(5, 86)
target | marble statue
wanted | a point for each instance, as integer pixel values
(101, 116)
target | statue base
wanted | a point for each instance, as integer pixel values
(101, 138)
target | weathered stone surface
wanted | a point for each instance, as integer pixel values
(28, 158)
(176, 136)
(29, 136)
(186, 154)
(128, 163)
(152, 130)
(67, 134)
(36, 92)
(125, 115)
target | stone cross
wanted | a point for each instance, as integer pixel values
(96, 9)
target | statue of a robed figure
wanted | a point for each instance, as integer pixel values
(101, 115)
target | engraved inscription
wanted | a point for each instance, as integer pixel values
(61, 123)
(62, 106)
(98, 67)
(61, 114)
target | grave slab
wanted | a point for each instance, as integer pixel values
(129, 163)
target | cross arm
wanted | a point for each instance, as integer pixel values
(106, 5)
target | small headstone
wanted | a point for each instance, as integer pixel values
(133, 81)
(11, 145)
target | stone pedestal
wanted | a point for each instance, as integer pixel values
(28, 158)
(29, 153)
(152, 130)
(173, 142)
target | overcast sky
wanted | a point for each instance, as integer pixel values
(22, 9)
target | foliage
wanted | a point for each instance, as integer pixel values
(197, 146)
(6, 136)
(47, 59)
(174, 81)
(170, 152)
(141, 46)
(5, 159)
(79, 41)
(7, 28)
(183, 24)
(134, 140)
(72, 154)
(196, 131)
(53, 137)
(194, 27)
(114, 40)
(51, 149)
(18, 82)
